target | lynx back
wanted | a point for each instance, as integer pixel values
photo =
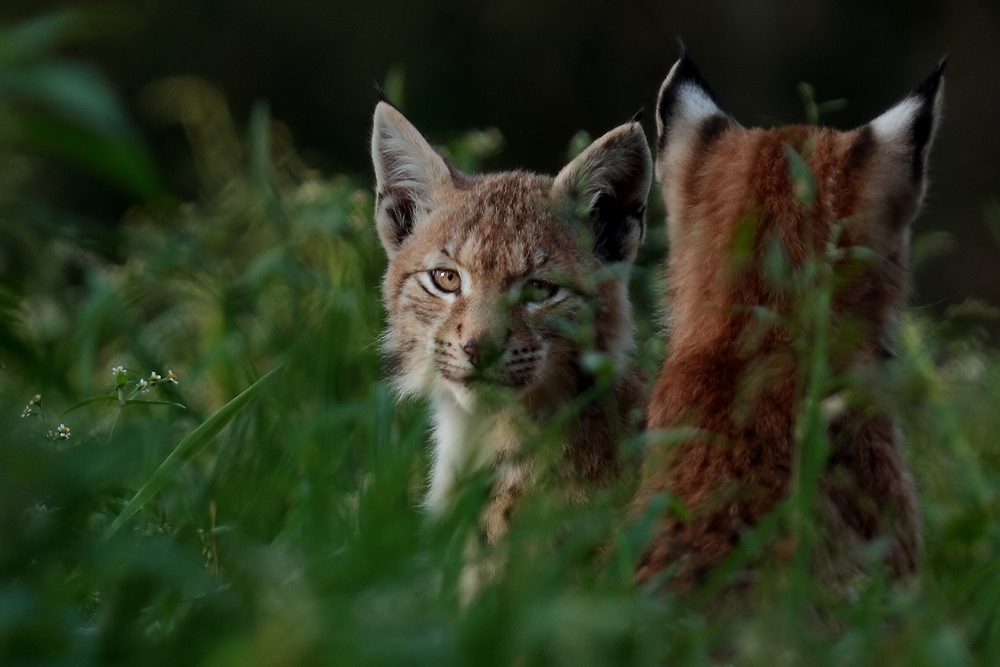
(735, 365)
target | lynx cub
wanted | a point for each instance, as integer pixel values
(496, 286)
(733, 374)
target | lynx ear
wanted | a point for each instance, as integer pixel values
(688, 115)
(407, 173)
(608, 184)
(904, 135)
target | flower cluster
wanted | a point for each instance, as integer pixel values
(122, 382)
(29, 409)
(121, 374)
(34, 407)
(142, 385)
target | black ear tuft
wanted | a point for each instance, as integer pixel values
(928, 87)
(684, 79)
(922, 130)
(381, 93)
(902, 137)
(637, 117)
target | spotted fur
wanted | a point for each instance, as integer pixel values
(497, 286)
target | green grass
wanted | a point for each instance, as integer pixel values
(282, 525)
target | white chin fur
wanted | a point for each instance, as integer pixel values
(463, 395)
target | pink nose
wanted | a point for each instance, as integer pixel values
(475, 352)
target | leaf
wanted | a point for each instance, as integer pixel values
(830, 106)
(141, 401)
(38, 36)
(106, 398)
(394, 86)
(121, 161)
(75, 92)
(930, 245)
(808, 95)
(187, 449)
(802, 178)
(113, 398)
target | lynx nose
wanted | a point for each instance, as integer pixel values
(474, 350)
(484, 350)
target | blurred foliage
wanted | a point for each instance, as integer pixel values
(542, 71)
(54, 110)
(293, 534)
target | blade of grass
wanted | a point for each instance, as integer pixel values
(187, 449)
(113, 398)
(140, 401)
(106, 398)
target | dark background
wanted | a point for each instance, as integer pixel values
(541, 71)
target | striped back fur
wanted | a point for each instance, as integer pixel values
(748, 210)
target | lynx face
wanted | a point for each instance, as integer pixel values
(493, 280)
(497, 284)
(493, 289)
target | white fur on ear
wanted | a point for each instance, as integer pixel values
(609, 184)
(407, 172)
(908, 128)
(684, 100)
(895, 123)
(688, 115)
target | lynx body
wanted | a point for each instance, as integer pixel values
(733, 371)
(497, 286)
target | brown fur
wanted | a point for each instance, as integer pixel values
(497, 363)
(738, 377)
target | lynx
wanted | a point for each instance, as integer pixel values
(732, 373)
(501, 291)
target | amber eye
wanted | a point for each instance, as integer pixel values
(446, 280)
(536, 291)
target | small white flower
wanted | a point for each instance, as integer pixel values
(154, 377)
(35, 400)
(172, 377)
(26, 412)
(143, 386)
(63, 432)
(118, 370)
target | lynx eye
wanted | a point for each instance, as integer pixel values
(446, 280)
(537, 291)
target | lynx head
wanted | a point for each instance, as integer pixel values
(502, 280)
(724, 184)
